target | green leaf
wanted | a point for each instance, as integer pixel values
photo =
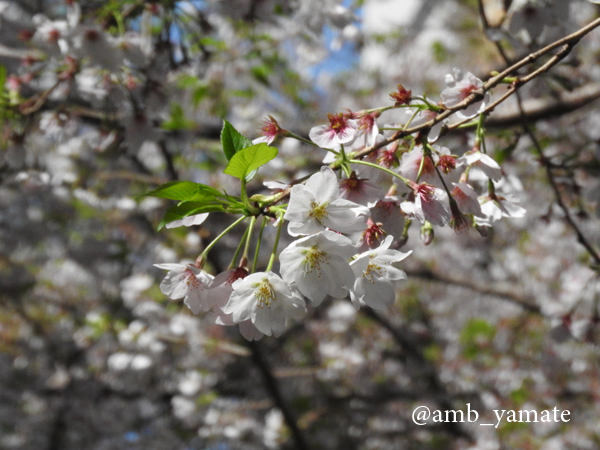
(178, 212)
(205, 194)
(246, 161)
(232, 140)
(184, 191)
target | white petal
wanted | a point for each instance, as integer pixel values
(323, 136)
(196, 219)
(323, 186)
(378, 294)
(249, 331)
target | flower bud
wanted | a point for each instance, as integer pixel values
(427, 234)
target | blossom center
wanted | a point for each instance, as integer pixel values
(337, 122)
(426, 192)
(191, 279)
(447, 163)
(318, 211)
(373, 270)
(264, 294)
(373, 233)
(313, 259)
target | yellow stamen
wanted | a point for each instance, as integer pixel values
(318, 211)
(313, 259)
(264, 293)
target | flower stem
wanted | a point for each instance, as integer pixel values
(404, 237)
(248, 236)
(391, 172)
(480, 133)
(258, 242)
(437, 170)
(218, 238)
(422, 164)
(407, 124)
(232, 264)
(274, 252)
(345, 165)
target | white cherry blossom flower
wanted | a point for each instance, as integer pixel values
(367, 124)
(316, 206)
(374, 275)
(483, 162)
(431, 204)
(266, 300)
(270, 130)
(497, 207)
(340, 130)
(466, 198)
(219, 291)
(360, 190)
(527, 19)
(410, 163)
(318, 265)
(458, 88)
(188, 282)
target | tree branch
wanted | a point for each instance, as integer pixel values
(567, 43)
(272, 387)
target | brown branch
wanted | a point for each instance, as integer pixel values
(510, 296)
(567, 43)
(562, 53)
(568, 217)
(535, 109)
(272, 386)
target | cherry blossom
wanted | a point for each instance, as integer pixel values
(374, 273)
(370, 238)
(430, 204)
(458, 88)
(466, 198)
(188, 282)
(367, 124)
(266, 300)
(527, 19)
(270, 131)
(220, 291)
(316, 206)
(340, 130)
(495, 207)
(318, 265)
(412, 162)
(360, 190)
(483, 162)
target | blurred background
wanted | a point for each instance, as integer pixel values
(102, 101)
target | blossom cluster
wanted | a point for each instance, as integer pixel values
(350, 218)
(323, 261)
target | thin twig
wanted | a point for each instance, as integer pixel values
(567, 43)
(570, 41)
(568, 217)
